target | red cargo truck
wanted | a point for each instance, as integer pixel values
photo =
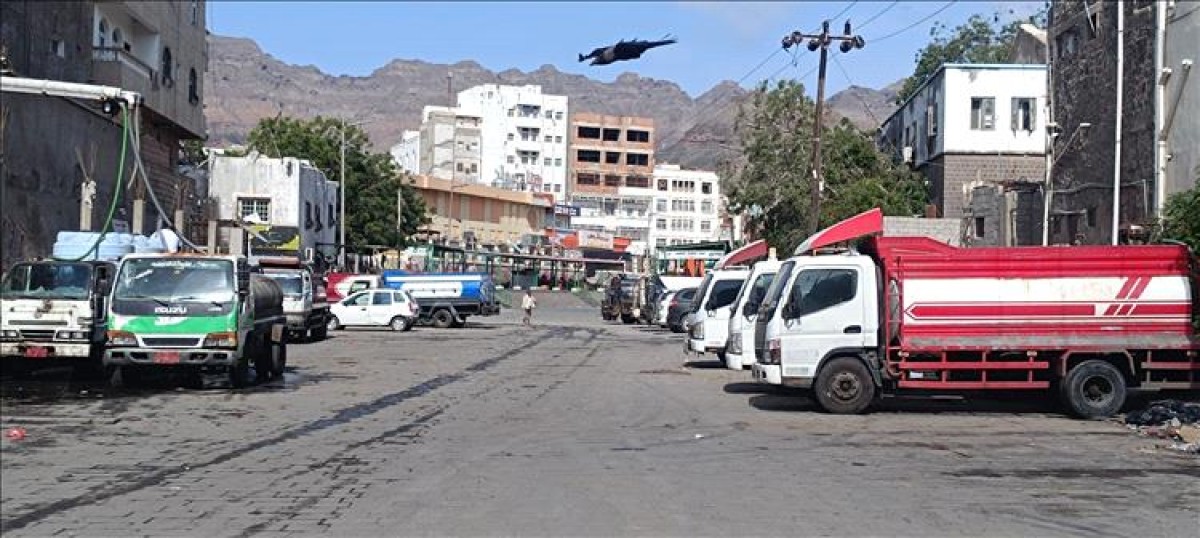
(903, 314)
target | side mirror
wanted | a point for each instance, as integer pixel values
(243, 285)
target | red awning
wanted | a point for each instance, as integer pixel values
(757, 249)
(866, 223)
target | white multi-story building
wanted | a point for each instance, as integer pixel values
(523, 137)
(972, 124)
(407, 154)
(688, 207)
(449, 144)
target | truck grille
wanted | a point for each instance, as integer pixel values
(38, 335)
(171, 341)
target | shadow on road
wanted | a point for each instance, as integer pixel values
(705, 365)
(742, 387)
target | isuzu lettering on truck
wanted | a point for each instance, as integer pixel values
(910, 313)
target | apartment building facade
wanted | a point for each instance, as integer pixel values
(479, 214)
(407, 153)
(60, 151)
(449, 145)
(610, 175)
(688, 208)
(523, 137)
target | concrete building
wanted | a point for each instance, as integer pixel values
(523, 137)
(479, 214)
(57, 152)
(295, 198)
(1083, 46)
(611, 161)
(972, 124)
(407, 154)
(688, 208)
(449, 145)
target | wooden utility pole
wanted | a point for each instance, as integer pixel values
(821, 41)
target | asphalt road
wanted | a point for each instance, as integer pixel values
(574, 427)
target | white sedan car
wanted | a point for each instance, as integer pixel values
(379, 307)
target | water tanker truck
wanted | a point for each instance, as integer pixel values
(195, 313)
(913, 315)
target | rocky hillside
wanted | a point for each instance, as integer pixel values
(245, 84)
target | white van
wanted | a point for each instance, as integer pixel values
(709, 317)
(740, 351)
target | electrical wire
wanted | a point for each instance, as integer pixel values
(872, 18)
(915, 24)
(116, 196)
(846, 74)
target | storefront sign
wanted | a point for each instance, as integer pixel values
(590, 239)
(567, 210)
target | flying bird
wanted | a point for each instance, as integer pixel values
(623, 50)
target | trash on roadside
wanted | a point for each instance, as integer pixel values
(1170, 420)
(16, 434)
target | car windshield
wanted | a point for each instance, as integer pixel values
(775, 291)
(48, 281)
(176, 280)
(701, 290)
(290, 283)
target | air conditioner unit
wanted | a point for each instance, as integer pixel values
(907, 152)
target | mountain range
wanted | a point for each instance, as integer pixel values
(245, 84)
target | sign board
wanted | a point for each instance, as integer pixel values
(280, 240)
(590, 239)
(567, 209)
(691, 255)
(572, 254)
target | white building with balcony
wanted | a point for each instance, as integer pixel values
(688, 207)
(407, 154)
(972, 125)
(523, 137)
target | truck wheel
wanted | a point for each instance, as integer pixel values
(1094, 389)
(278, 359)
(627, 319)
(334, 324)
(398, 324)
(264, 361)
(443, 319)
(408, 324)
(239, 374)
(459, 323)
(320, 333)
(844, 386)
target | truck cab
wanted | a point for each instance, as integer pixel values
(708, 321)
(304, 299)
(823, 306)
(54, 309)
(739, 353)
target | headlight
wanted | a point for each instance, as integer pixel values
(735, 343)
(121, 338)
(10, 335)
(71, 335)
(229, 340)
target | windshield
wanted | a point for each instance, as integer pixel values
(771, 301)
(48, 281)
(291, 284)
(173, 280)
(756, 293)
(701, 291)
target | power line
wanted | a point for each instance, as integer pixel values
(915, 24)
(872, 18)
(846, 74)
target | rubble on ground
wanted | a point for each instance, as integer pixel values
(1170, 420)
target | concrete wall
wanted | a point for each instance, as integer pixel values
(948, 231)
(1183, 140)
(953, 176)
(1084, 91)
(1011, 215)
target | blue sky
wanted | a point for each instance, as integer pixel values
(717, 40)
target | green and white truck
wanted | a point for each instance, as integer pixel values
(202, 313)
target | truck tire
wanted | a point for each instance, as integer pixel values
(628, 320)
(443, 319)
(334, 324)
(320, 332)
(1093, 389)
(398, 324)
(278, 359)
(120, 377)
(239, 374)
(844, 386)
(264, 360)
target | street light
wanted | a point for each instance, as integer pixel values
(342, 189)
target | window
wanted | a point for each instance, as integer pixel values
(612, 180)
(1093, 24)
(662, 185)
(546, 161)
(382, 298)
(193, 87)
(587, 179)
(612, 157)
(612, 135)
(660, 205)
(458, 167)
(558, 161)
(511, 159)
(1024, 113)
(557, 188)
(512, 112)
(980, 229)
(723, 293)
(474, 168)
(660, 242)
(637, 159)
(706, 206)
(641, 182)
(558, 115)
(706, 188)
(587, 132)
(362, 299)
(308, 215)
(587, 156)
(511, 137)
(548, 139)
(686, 206)
(1066, 43)
(399, 298)
(983, 113)
(168, 74)
(706, 225)
(637, 136)
(260, 207)
(195, 12)
(817, 289)
(660, 224)
(1091, 217)
(558, 139)
(549, 114)
(102, 33)
(58, 48)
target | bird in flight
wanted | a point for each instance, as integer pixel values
(623, 50)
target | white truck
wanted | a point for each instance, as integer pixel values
(708, 321)
(305, 304)
(54, 310)
(739, 352)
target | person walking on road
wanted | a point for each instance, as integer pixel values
(528, 304)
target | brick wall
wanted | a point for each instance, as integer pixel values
(959, 173)
(1084, 91)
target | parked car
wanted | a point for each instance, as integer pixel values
(680, 304)
(376, 307)
(661, 305)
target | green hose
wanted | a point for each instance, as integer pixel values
(112, 208)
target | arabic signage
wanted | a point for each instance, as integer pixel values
(590, 239)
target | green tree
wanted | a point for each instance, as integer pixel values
(771, 181)
(375, 188)
(1181, 216)
(978, 40)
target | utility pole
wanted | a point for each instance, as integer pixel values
(342, 209)
(821, 41)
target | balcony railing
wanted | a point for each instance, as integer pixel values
(117, 54)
